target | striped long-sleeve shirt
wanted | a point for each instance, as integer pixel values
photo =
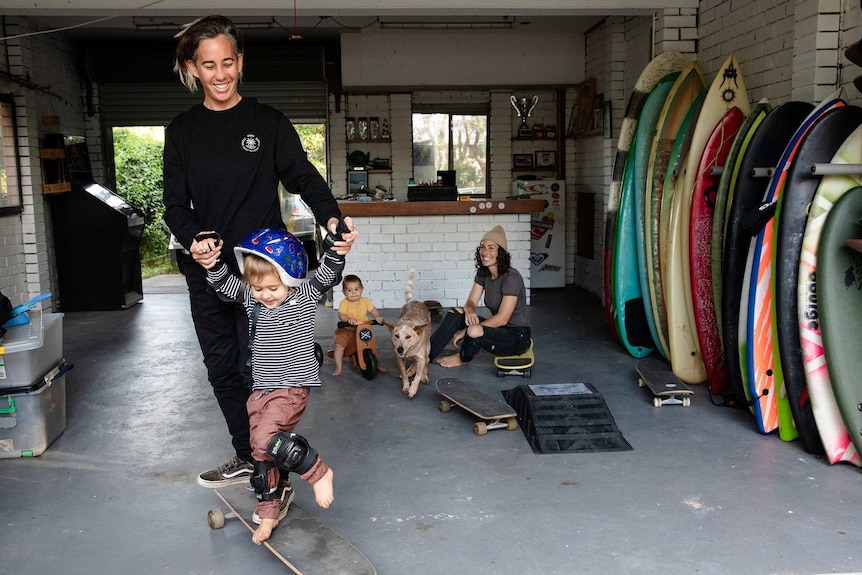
(282, 353)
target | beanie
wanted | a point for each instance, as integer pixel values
(498, 236)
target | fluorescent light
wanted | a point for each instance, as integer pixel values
(146, 23)
(441, 25)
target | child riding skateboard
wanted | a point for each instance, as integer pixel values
(284, 362)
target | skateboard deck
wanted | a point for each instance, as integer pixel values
(434, 306)
(496, 413)
(301, 542)
(516, 364)
(667, 389)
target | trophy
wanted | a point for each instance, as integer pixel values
(524, 107)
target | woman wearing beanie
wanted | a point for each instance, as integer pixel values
(507, 331)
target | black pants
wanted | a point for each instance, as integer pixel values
(222, 330)
(495, 340)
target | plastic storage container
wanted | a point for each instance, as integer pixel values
(32, 417)
(28, 351)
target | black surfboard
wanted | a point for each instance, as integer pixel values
(765, 149)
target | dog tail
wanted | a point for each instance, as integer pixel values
(408, 287)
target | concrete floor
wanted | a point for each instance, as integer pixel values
(416, 491)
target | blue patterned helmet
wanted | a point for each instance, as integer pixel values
(280, 248)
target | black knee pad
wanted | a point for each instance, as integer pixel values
(318, 354)
(259, 481)
(291, 452)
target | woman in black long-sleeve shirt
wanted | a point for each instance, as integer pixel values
(223, 161)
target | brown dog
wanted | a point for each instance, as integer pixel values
(411, 340)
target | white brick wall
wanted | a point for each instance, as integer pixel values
(439, 249)
(48, 62)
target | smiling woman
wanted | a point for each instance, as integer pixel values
(224, 161)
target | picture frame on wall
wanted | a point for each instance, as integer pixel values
(522, 161)
(546, 158)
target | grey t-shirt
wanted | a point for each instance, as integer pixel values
(510, 283)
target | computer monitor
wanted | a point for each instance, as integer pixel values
(357, 181)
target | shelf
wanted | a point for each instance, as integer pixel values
(368, 141)
(57, 188)
(533, 139)
(379, 170)
(52, 153)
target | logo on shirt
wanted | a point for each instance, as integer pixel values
(250, 143)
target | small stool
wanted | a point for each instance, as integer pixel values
(516, 364)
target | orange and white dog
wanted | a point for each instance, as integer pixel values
(411, 340)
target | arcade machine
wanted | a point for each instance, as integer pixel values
(97, 237)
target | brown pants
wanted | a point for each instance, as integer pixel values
(278, 410)
(346, 338)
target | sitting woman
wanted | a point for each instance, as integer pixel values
(507, 331)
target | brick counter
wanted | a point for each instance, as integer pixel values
(436, 240)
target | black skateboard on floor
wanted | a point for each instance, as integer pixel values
(495, 413)
(667, 388)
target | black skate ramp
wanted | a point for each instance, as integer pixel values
(565, 418)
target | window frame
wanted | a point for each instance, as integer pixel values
(7, 101)
(461, 110)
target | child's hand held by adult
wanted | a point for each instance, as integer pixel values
(206, 248)
(342, 234)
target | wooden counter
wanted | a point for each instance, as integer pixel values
(489, 206)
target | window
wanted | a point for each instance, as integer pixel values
(10, 186)
(313, 138)
(452, 141)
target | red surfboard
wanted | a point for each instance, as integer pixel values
(700, 246)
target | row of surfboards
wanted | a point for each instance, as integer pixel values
(727, 253)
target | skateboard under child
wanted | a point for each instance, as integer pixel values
(301, 542)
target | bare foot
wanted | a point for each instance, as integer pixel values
(381, 369)
(453, 360)
(263, 532)
(324, 492)
(337, 371)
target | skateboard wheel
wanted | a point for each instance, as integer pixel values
(656, 401)
(444, 406)
(215, 518)
(501, 373)
(686, 401)
(479, 428)
(528, 373)
(511, 424)
(641, 382)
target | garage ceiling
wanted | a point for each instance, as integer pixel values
(323, 19)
